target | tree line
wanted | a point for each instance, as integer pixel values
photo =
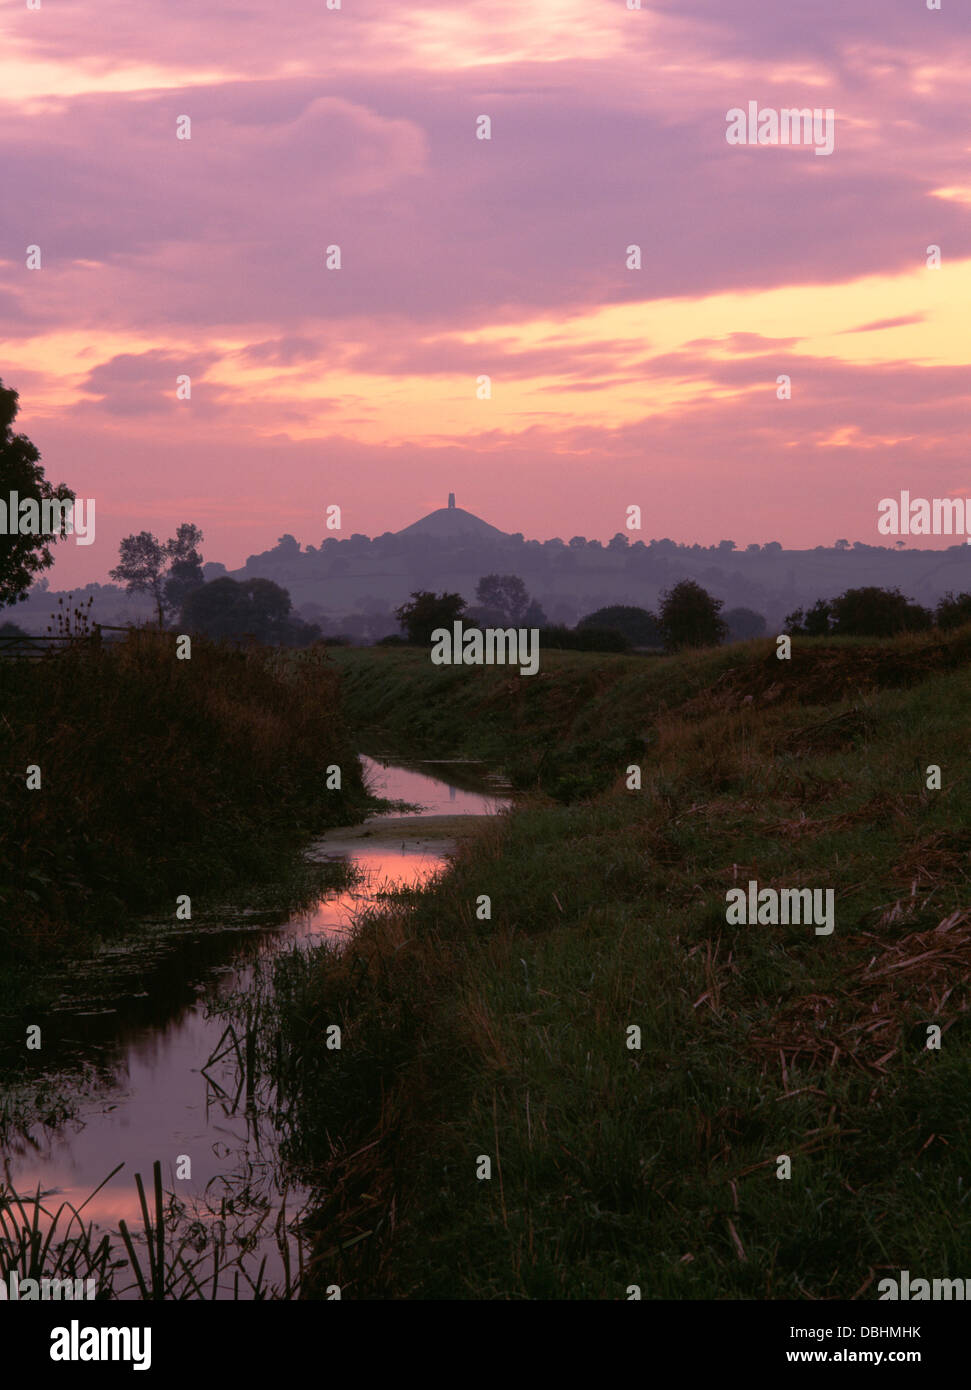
(876, 612)
(688, 616)
(171, 573)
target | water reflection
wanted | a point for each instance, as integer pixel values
(139, 1020)
(449, 787)
(385, 860)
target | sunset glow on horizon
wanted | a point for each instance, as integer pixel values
(505, 257)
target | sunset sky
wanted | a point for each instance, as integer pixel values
(506, 257)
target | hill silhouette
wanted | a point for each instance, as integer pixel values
(452, 523)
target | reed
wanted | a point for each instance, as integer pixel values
(38, 1242)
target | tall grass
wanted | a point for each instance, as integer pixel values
(159, 776)
(507, 1038)
(169, 1259)
(565, 730)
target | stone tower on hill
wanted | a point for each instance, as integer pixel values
(453, 523)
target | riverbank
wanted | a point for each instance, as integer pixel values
(565, 731)
(151, 1052)
(134, 777)
(635, 1069)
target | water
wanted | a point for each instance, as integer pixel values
(138, 1023)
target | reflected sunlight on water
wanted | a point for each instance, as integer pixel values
(153, 1041)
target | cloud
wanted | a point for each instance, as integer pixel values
(139, 384)
(507, 257)
(881, 324)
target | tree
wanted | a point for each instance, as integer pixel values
(141, 566)
(255, 608)
(815, 623)
(689, 617)
(428, 611)
(953, 610)
(185, 568)
(866, 612)
(504, 598)
(841, 545)
(23, 556)
(744, 624)
(144, 561)
(504, 602)
(638, 625)
(875, 612)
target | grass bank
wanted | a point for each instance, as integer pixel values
(158, 777)
(566, 730)
(508, 1038)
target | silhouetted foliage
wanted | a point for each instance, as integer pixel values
(148, 565)
(638, 625)
(505, 596)
(255, 608)
(502, 600)
(818, 618)
(141, 568)
(743, 624)
(873, 612)
(953, 610)
(428, 611)
(185, 568)
(814, 623)
(22, 557)
(866, 612)
(689, 617)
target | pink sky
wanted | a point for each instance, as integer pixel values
(464, 257)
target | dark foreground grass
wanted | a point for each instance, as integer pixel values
(508, 1038)
(158, 777)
